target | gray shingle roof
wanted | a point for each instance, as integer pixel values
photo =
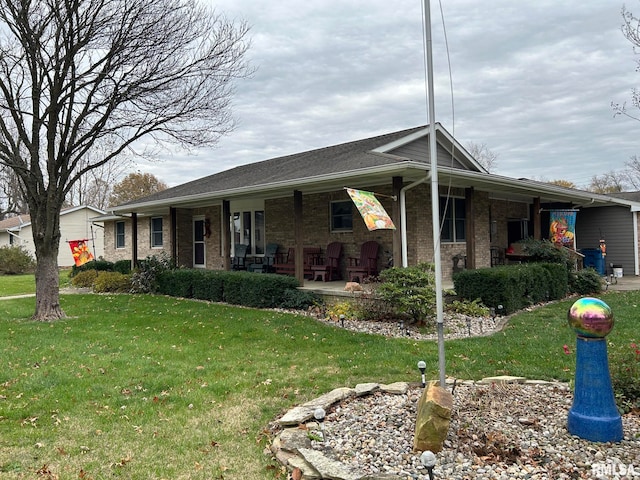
(323, 161)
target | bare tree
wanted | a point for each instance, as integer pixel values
(12, 198)
(134, 186)
(483, 155)
(631, 31)
(610, 182)
(96, 186)
(633, 172)
(75, 73)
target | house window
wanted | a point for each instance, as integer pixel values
(199, 252)
(156, 232)
(342, 216)
(452, 218)
(249, 229)
(11, 240)
(119, 234)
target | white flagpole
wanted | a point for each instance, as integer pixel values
(435, 204)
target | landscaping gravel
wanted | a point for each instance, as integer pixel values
(498, 431)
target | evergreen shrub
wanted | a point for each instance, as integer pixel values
(15, 260)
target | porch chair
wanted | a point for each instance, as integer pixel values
(366, 265)
(239, 257)
(328, 268)
(265, 264)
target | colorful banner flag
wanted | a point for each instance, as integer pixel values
(80, 252)
(373, 213)
(562, 228)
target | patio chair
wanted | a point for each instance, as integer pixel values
(265, 264)
(239, 257)
(328, 268)
(366, 265)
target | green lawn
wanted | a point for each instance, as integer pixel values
(25, 284)
(133, 386)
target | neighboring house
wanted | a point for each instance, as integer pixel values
(75, 224)
(299, 200)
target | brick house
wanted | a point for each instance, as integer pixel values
(300, 200)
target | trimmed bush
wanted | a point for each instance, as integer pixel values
(586, 282)
(99, 265)
(256, 290)
(84, 279)
(122, 266)
(112, 282)
(208, 285)
(299, 299)
(177, 283)
(513, 286)
(15, 260)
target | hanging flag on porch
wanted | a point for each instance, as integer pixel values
(562, 228)
(80, 252)
(373, 213)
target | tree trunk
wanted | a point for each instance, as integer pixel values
(45, 221)
(47, 288)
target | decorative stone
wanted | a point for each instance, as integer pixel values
(292, 439)
(366, 388)
(501, 379)
(304, 412)
(353, 287)
(328, 468)
(397, 388)
(308, 471)
(433, 418)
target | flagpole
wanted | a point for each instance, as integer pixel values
(435, 202)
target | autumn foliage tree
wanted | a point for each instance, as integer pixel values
(75, 74)
(134, 186)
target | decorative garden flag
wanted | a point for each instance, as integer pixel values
(373, 213)
(80, 252)
(562, 228)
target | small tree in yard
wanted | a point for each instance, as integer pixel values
(411, 291)
(81, 74)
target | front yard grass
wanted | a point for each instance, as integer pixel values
(134, 386)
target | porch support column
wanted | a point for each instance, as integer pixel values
(537, 222)
(298, 235)
(470, 227)
(134, 239)
(173, 214)
(225, 248)
(397, 220)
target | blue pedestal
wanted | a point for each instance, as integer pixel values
(594, 415)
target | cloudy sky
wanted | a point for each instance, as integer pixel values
(531, 79)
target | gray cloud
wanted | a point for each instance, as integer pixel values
(532, 80)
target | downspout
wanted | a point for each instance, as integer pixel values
(403, 216)
(635, 243)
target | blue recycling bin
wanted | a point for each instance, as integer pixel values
(593, 258)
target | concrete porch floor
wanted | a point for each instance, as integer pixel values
(336, 288)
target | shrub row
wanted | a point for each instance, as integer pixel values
(238, 288)
(514, 286)
(121, 266)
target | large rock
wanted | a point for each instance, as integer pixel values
(433, 419)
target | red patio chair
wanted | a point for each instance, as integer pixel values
(329, 267)
(366, 265)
